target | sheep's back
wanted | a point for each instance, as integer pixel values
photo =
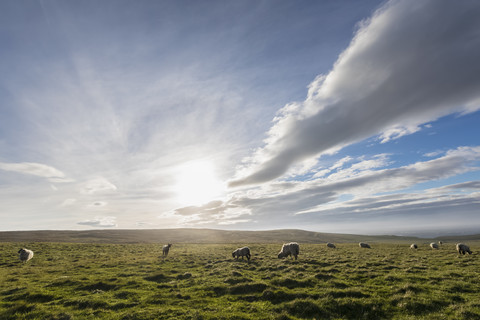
(292, 248)
(26, 254)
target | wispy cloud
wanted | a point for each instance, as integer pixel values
(98, 185)
(35, 169)
(410, 63)
(100, 222)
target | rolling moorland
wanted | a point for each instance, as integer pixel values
(101, 276)
(186, 235)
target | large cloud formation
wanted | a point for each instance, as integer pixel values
(368, 183)
(410, 63)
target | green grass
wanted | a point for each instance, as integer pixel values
(202, 281)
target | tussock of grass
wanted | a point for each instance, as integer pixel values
(236, 280)
(158, 278)
(305, 309)
(323, 276)
(99, 286)
(292, 283)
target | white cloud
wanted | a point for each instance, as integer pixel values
(35, 169)
(98, 185)
(100, 222)
(68, 202)
(410, 63)
(433, 154)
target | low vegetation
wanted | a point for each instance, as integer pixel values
(203, 281)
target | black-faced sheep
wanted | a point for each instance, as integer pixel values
(413, 246)
(288, 249)
(463, 248)
(25, 254)
(331, 245)
(364, 245)
(166, 248)
(433, 245)
(242, 252)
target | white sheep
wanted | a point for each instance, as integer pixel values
(364, 245)
(25, 254)
(463, 248)
(330, 245)
(166, 248)
(242, 252)
(433, 245)
(288, 249)
(413, 246)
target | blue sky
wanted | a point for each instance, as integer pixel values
(333, 116)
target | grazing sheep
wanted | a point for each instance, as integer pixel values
(413, 246)
(433, 245)
(291, 248)
(166, 248)
(364, 245)
(463, 248)
(440, 242)
(330, 245)
(242, 252)
(25, 254)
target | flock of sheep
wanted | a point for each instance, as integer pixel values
(293, 249)
(288, 249)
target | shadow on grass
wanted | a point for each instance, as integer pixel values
(240, 289)
(84, 303)
(418, 307)
(280, 296)
(333, 309)
(292, 283)
(15, 309)
(99, 286)
(159, 278)
(32, 298)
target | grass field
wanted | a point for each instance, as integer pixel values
(203, 281)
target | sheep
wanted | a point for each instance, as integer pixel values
(242, 252)
(364, 245)
(433, 245)
(25, 255)
(330, 245)
(166, 248)
(288, 249)
(463, 248)
(413, 246)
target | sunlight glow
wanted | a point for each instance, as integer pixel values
(197, 183)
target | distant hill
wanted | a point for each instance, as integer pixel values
(186, 235)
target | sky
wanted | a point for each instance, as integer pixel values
(331, 116)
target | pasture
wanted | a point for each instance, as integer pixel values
(203, 281)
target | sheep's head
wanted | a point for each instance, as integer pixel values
(281, 255)
(233, 253)
(21, 250)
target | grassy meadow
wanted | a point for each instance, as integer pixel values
(203, 281)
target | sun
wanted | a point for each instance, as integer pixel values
(197, 183)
